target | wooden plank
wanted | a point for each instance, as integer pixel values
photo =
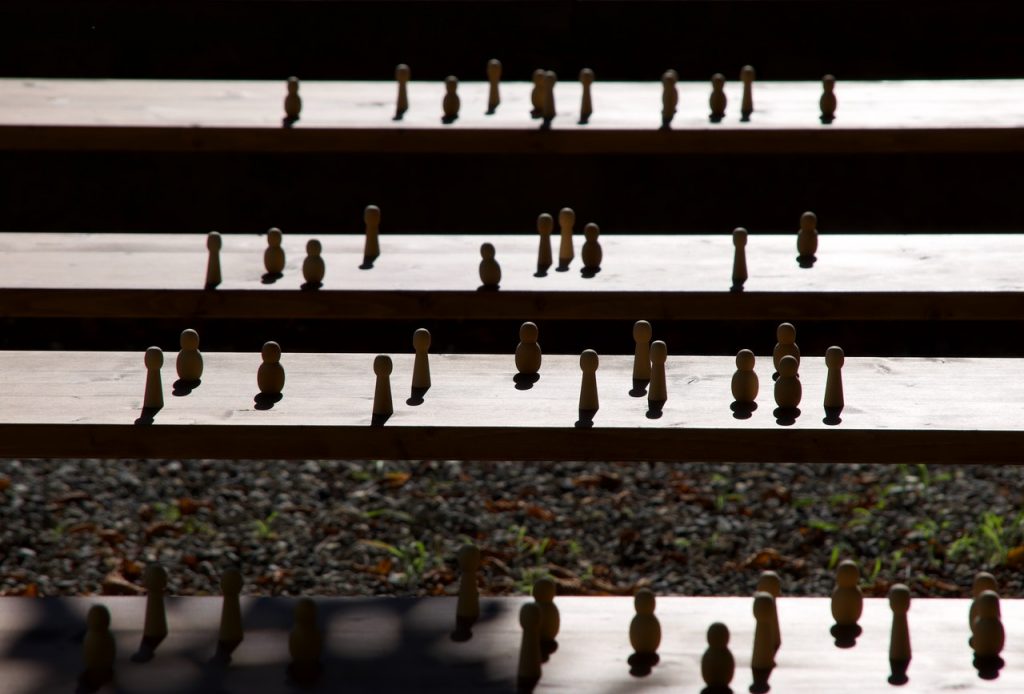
(217, 115)
(58, 404)
(398, 645)
(863, 277)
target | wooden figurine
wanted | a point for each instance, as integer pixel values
(586, 104)
(588, 388)
(154, 629)
(770, 583)
(717, 666)
(669, 98)
(788, 390)
(739, 257)
(834, 360)
(983, 581)
(153, 398)
(807, 237)
(270, 376)
(189, 363)
(717, 100)
(528, 355)
(847, 600)
(548, 110)
(657, 391)
(744, 381)
(828, 99)
(642, 351)
(313, 268)
(494, 78)
(762, 660)
(402, 75)
(566, 221)
(371, 246)
(231, 633)
(98, 649)
(213, 245)
(273, 256)
(537, 95)
(786, 345)
(382, 404)
(644, 630)
(529, 649)
(592, 253)
(899, 638)
(292, 102)
(550, 620)
(988, 633)
(490, 271)
(451, 102)
(467, 609)
(747, 106)
(421, 364)
(545, 225)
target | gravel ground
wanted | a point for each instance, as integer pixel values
(73, 527)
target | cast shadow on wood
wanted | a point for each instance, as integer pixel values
(546, 649)
(898, 672)
(271, 277)
(742, 410)
(289, 121)
(448, 120)
(639, 387)
(222, 656)
(845, 635)
(488, 288)
(147, 415)
(368, 262)
(786, 416)
(641, 664)
(525, 381)
(988, 667)
(562, 267)
(716, 690)
(310, 286)
(464, 625)
(736, 288)
(654, 409)
(416, 396)
(541, 272)
(832, 417)
(266, 401)
(181, 387)
(806, 261)
(379, 420)
(588, 273)
(586, 420)
(147, 649)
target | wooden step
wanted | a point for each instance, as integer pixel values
(72, 404)
(397, 645)
(925, 116)
(859, 277)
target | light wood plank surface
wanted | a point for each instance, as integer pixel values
(396, 645)
(936, 115)
(856, 276)
(907, 410)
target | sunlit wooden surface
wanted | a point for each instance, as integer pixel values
(404, 645)
(935, 115)
(855, 276)
(905, 410)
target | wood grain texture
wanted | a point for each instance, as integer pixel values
(67, 404)
(215, 115)
(863, 277)
(396, 645)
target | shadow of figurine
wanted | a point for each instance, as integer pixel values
(845, 635)
(898, 672)
(525, 381)
(742, 410)
(181, 387)
(786, 416)
(641, 664)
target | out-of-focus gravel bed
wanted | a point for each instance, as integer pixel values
(70, 527)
